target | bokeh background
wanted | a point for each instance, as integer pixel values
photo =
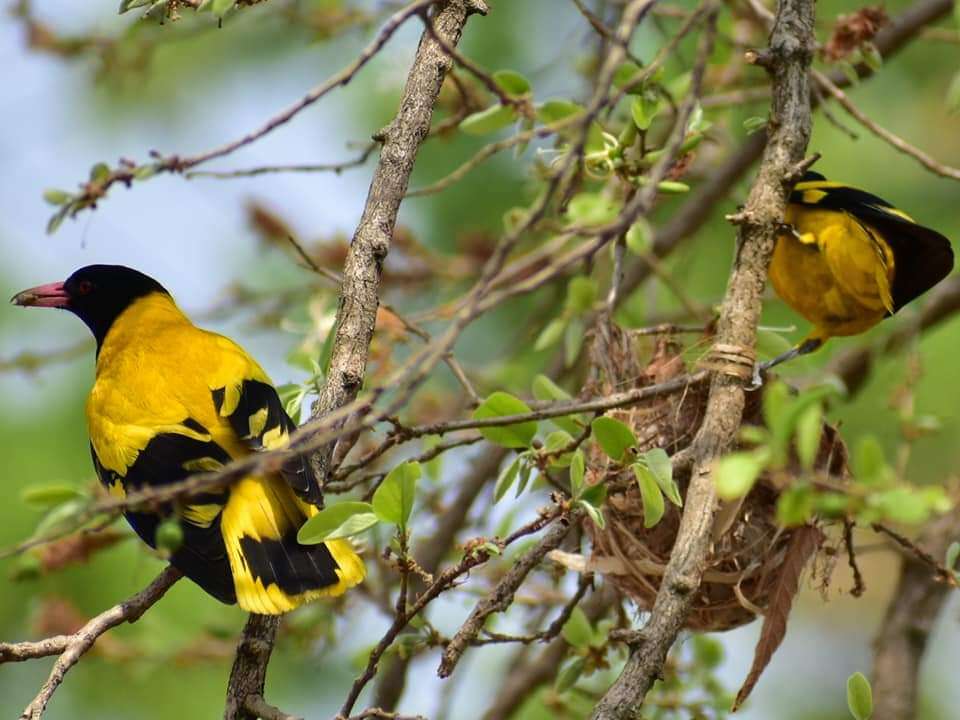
(204, 86)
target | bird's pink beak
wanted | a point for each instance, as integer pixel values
(49, 295)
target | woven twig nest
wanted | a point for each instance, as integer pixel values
(745, 561)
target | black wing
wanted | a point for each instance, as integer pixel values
(168, 458)
(261, 422)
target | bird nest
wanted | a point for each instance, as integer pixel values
(749, 549)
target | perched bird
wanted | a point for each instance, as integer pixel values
(847, 259)
(171, 400)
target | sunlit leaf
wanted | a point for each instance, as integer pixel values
(393, 500)
(650, 493)
(859, 697)
(336, 520)
(614, 437)
(500, 404)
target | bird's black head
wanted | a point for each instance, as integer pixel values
(97, 294)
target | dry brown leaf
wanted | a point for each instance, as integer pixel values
(804, 543)
(852, 30)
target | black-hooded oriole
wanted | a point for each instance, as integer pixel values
(171, 400)
(848, 259)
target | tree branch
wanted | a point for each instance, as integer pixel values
(904, 631)
(787, 59)
(71, 648)
(359, 293)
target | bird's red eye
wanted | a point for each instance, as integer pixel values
(84, 287)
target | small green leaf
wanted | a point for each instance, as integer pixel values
(569, 673)
(672, 187)
(291, 395)
(169, 536)
(512, 82)
(643, 110)
(640, 237)
(57, 197)
(555, 110)
(624, 74)
(752, 124)
(488, 121)
(44, 497)
(332, 518)
(859, 697)
(551, 334)
(554, 443)
(809, 429)
(953, 553)
(581, 294)
(499, 404)
(590, 208)
(577, 473)
(658, 462)
(614, 437)
(145, 172)
(577, 630)
(393, 500)
(545, 389)
(222, 7)
(650, 493)
(594, 495)
(593, 512)
(736, 473)
(869, 464)
(707, 652)
(953, 95)
(902, 505)
(849, 71)
(680, 85)
(99, 172)
(872, 56)
(506, 480)
(526, 472)
(573, 341)
(796, 505)
(60, 517)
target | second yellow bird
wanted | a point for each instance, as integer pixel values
(849, 259)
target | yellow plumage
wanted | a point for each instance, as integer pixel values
(154, 369)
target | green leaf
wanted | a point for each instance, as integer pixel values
(60, 518)
(556, 441)
(707, 652)
(796, 505)
(849, 71)
(99, 172)
(626, 72)
(569, 673)
(573, 341)
(672, 187)
(526, 472)
(222, 7)
(953, 553)
(551, 334)
(291, 395)
(653, 506)
(333, 520)
(859, 697)
(680, 85)
(169, 536)
(614, 437)
(393, 500)
(577, 630)
(44, 497)
(640, 237)
(577, 473)
(953, 95)
(872, 56)
(506, 480)
(546, 389)
(658, 462)
(57, 197)
(643, 110)
(555, 110)
(736, 473)
(512, 82)
(902, 505)
(594, 513)
(590, 208)
(809, 429)
(581, 294)
(499, 404)
(752, 124)
(488, 121)
(869, 464)
(594, 495)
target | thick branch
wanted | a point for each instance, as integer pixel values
(902, 638)
(787, 59)
(359, 294)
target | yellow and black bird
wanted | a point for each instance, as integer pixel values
(171, 400)
(848, 259)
